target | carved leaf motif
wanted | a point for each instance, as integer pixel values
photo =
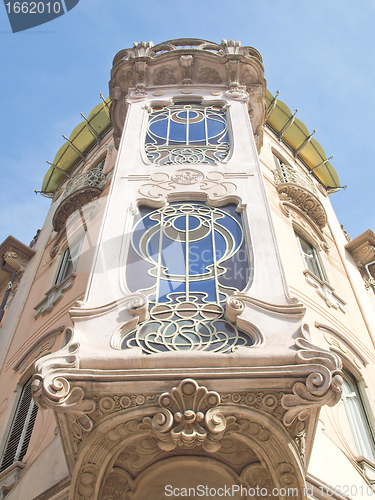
(165, 76)
(209, 75)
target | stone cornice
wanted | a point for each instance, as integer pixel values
(362, 248)
(16, 255)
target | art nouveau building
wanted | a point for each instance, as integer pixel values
(191, 319)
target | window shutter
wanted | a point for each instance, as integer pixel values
(22, 426)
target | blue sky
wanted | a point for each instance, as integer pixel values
(319, 54)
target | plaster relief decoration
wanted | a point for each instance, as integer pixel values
(184, 257)
(209, 75)
(189, 417)
(362, 248)
(165, 76)
(79, 191)
(325, 291)
(53, 296)
(188, 62)
(322, 386)
(296, 186)
(39, 347)
(51, 388)
(161, 184)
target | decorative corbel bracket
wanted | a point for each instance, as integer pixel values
(322, 386)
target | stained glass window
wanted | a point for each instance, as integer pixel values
(188, 258)
(187, 133)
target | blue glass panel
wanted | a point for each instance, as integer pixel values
(177, 133)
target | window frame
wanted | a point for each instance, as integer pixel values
(315, 259)
(364, 437)
(63, 270)
(168, 154)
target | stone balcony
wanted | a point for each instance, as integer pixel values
(298, 188)
(79, 191)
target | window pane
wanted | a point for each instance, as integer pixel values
(310, 257)
(70, 259)
(358, 421)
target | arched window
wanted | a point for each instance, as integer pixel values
(187, 133)
(362, 431)
(188, 258)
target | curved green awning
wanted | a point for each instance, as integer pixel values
(296, 135)
(82, 138)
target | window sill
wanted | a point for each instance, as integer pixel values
(368, 467)
(53, 296)
(9, 478)
(325, 291)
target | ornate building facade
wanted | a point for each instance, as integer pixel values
(191, 320)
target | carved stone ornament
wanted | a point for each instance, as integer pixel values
(160, 184)
(53, 296)
(325, 291)
(362, 248)
(51, 389)
(228, 66)
(9, 478)
(322, 386)
(305, 200)
(72, 203)
(189, 417)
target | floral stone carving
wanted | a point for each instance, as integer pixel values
(189, 417)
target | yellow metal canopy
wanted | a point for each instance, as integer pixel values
(80, 141)
(297, 136)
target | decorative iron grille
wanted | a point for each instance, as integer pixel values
(188, 258)
(187, 133)
(286, 174)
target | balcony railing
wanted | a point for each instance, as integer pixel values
(287, 174)
(79, 191)
(297, 187)
(92, 178)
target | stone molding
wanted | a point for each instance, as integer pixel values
(120, 436)
(37, 347)
(362, 248)
(322, 386)
(53, 296)
(325, 291)
(188, 62)
(305, 200)
(73, 202)
(9, 478)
